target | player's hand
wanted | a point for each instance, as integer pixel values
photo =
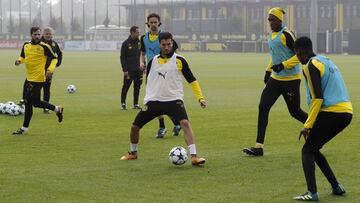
(267, 76)
(17, 62)
(49, 74)
(142, 66)
(202, 103)
(304, 132)
(278, 67)
(126, 74)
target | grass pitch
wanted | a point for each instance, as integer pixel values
(78, 160)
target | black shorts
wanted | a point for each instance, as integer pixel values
(174, 109)
(32, 91)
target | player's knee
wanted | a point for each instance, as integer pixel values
(184, 123)
(263, 107)
(37, 104)
(136, 87)
(305, 151)
(135, 128)
(295, 113)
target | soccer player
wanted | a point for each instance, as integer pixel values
(35, 54)
(130, 62)
(282, 77)
(164, 95)
(150, 48)
(330, 112)
(48, 39)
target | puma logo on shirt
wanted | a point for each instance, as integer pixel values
(162, 74)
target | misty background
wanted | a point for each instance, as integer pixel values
(205, 25)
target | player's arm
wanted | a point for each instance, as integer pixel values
(268, 71)
(194, 84)
(288, 39)
(142, 53)
(313, 75)
(123, 55)
(148, 67)
(269, 66)
(50, 54)
(21, 58)
(59, 54)
(142, 60)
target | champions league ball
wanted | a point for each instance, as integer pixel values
(2, 108)
(12, 109)
(178, 155)
(71, 89)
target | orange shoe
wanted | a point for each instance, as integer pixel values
(129, 156)
(197, 160)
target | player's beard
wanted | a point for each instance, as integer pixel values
(36, 41)
(154, 28)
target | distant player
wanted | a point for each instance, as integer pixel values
(35, 54)
(164, 95)
(282, 77)
(130, 62)
(48, 39)
(330, 112)
(150, 48)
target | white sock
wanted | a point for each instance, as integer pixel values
(24, 128)
(56, 109)
(259, 145)
(133, 147)
(192, 149)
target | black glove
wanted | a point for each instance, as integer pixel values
(267, 76)
(278, 67)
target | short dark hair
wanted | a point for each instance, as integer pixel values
(133, 28)
(303, 42)
(165, 35)
(34, 29)
(153, 15)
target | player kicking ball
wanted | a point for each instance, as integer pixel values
(164, 96)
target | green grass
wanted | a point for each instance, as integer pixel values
(78, 160)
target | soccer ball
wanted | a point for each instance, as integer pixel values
(2, 108)
(14, 110)
(22, 109)
(71, 89)
(8, 107)
(178, 155)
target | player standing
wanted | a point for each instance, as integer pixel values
(282, 77)
(164, 95)
(150, 48)
(330, 113)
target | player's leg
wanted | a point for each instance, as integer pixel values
(28, 88)
(46, 90)
(270, 94)
(138, 78)
(45, 105)
(291, 94)
(177, 127)
(176, 110)
(162, 129)
(338, 121)
(320, 134)
(150, 111)
(126, 85)
(24, 90)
